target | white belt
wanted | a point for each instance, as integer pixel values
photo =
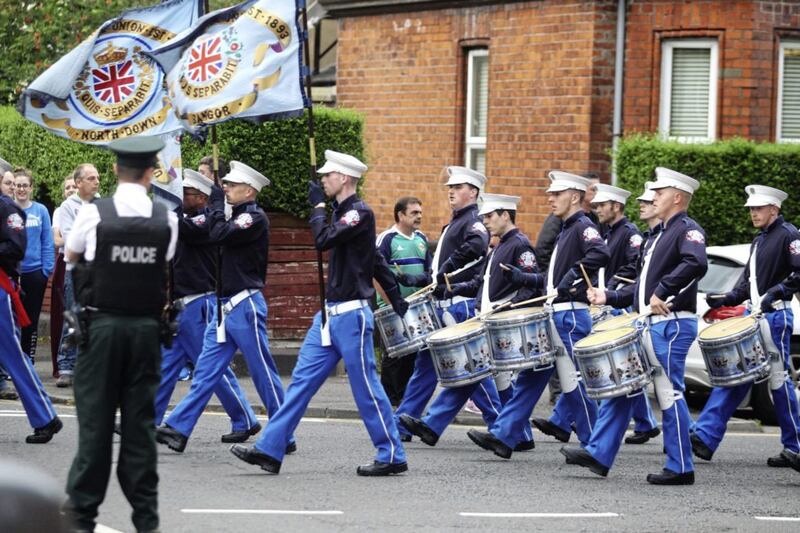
(186, 300)
(655, 319)
(781, 305)
(236, 299)
(568, 306)
(444, 304)
(344, 307)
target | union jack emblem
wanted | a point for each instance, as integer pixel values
(113, 83)
(205, 60)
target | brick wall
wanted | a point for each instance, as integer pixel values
(550, 98)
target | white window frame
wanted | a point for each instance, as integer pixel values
(793, 45)
(471, 143)
(665, 100)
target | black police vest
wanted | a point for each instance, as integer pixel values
(128, 274)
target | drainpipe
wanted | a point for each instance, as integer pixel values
(619, 66)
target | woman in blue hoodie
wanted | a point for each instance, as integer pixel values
(39, 259)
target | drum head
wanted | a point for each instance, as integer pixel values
(456, 331)
(603, 337)
(621, 321)
(516, 313)
(728, 327)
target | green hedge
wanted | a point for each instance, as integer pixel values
(277, 149)
(723, 168)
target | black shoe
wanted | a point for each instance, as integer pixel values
(699, 448)
(640, 437)
(255, 457)
(548, 428)
(381, 469)
(172, 438)
(241, 436)
(780, 461)
(668, 477)
(290, 448)
(525, 446)
(487, 441)
(580, 457)
(420, 429)
(45, 433)
(792, 458)
(405, 438)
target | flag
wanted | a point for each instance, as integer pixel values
(167, 183)
(105, 88)
(238, 62)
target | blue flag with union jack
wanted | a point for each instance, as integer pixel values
(243, 61)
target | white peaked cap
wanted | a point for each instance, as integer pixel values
(343, 163)
(192, 178)
(458, 175)
(241, 173)
(495, 202)
(609, 193)
(669, 178)
(562, 181)
(649, 194)
(761, 195)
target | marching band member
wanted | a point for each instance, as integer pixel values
(461, 247)
(667, 286)
(578, 242)
(624, 244)
(489, 288)
(770, 279)
(347, 334)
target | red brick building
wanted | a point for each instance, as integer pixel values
(520, 88)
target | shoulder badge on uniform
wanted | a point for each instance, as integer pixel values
(15, 222)
(635, 241)
(243, 221)
(695, 236)
(199, 220)
(351, 218)
(794, 247)
(479, 227)
(527, 260)
(591, 234)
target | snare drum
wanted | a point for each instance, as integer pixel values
(612, 363)
(621, 321)
(521, 339)
(734, 353)
(404, 336)
(461, 354)
(599, 312)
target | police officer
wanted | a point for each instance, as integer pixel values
(347, 333)
(461, 248)
(770, 279)
(578, 242)
(669, 271)
(120, 247)
(245, 242)
(193, 287)
(624, 244)
(38, 408)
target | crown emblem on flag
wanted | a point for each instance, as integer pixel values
(110, 55)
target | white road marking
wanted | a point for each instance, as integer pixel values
(541, 515)
(100, 528)
(258, 511)
(12, 414)
(778, 518)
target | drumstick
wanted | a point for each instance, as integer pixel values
(447, 282)
(585, 276)
(423, 290)
(716, 296)
(626, 280)
(534, 300)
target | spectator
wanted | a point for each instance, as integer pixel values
(7, 187)
(57, 288)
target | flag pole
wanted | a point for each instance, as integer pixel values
(312, 151)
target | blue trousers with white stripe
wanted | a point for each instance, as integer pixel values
(18, 365)
(186, 347)
(713, 421)
(574, 407)
(245, 328)
(351, 340)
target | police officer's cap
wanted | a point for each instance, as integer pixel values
(609, 193)
(137, 152)
(195, 180)
(761, 195)
(564, 181)
(458, 175)
(666, 177)
(342, 163)
(649, 194)
(241, 173)
(5, 166)
(498, 202)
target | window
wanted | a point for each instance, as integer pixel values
(477, 109)
(689, 73)
(788, 121)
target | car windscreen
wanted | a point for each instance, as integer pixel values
(722, 275)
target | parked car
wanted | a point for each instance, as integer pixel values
(725, 266)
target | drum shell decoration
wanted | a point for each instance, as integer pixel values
(521, 339)
(461, 354)
(615, 367)
(737, 358)
(405, 336)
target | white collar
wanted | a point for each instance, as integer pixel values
(128, 189)
(399, 231)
